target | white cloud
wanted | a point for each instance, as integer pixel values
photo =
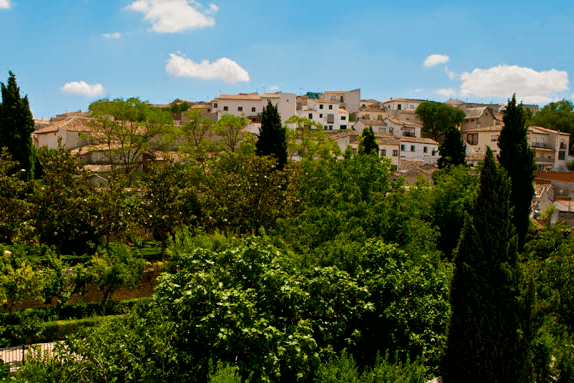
(436, 59)
(171, 16)
(83, 88)
(223, 69)
(529, 85)
(445, 92)
(273, 88)
(450, 74)
(4, 4)
(115, 35)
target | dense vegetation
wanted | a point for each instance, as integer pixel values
(326, 270)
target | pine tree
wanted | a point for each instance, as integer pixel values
(368, 143)
(272, 136)
(488, 332)
(16, 126)
(518, 160)
(452, 150)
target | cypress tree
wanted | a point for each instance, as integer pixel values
(16, 126)
(518, 160)
(272, 136)
(368, 143)
(489, 329)
(452, 150)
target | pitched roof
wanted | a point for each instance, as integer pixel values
(474, 112)
(493, 128)
(417, 140)
(240, 96)
(402, 100)
(78, 124)
(404, 123)
(541, 130)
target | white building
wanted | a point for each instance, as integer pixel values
(252, 104)
(350, 100)
(422, 149)
(72, 133)
(326, 113)
(406, 104)
(399, 128)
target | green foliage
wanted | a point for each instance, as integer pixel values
(517, 158)
(225, 373)
(179, 108)
(60, 209)
(272, 136)
(115, 267)
(243, 193)
(368, 143)
(14, 209)
(437, 118)
(16, 128)
(127, 129)
(452, 150)
(230, 135)
(19, 280)
(386, 370)
(452, 198)
(489, 331)
(308, 140)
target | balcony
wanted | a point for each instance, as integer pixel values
(541, 145)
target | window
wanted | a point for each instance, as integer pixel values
(343, 118)
(215, 104)
(494, 138)
(403, 147)
(395, 153)
(321, 116)
(310, 116)
(330, 106)
(320, 106)
(225, 108)
(240, 109)
(367, 116)
(343, 126)
(354, 150)
(562, 155)
(342, 98)
(425, 149)
(472, 138)
(412, 148)
(383, 152)
(380, 117)
(399, 107)
(253, 109)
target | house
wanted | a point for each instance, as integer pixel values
(477, 118)
(350, 100)
(562, 195)
(326, 113)
(406, 104)
(251, 104)
(72, 132)
(550, 146)
(399, 128)
(423, 149)
(412, 170)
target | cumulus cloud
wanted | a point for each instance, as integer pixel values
(445, 92)
(222, 69)
(436, 59)
(4, 4)
(83, 88)
(115, 35)
(529, 85)
(172, 16)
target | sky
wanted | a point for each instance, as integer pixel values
(67, 54)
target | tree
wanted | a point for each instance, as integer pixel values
(308, 140)
(518, 160)
(437, 117)
(126, 130)
(556, 116)
(368, 143)
(17, 126)
(452, 150)
(488, 336)
(13, 209)
(230, 133)
(197, 134)
(272, 136)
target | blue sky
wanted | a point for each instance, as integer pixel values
(69, 53)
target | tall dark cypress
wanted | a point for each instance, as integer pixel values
(518, 160)
(488, 335)
(452, 150)
(272, 136)
(368, 143)
(16, 126)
